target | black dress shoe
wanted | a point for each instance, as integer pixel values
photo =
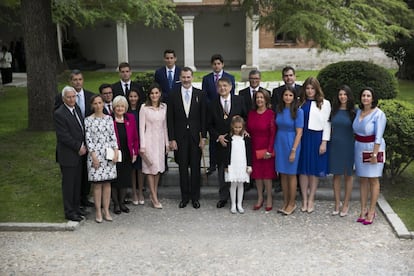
(210, 170)
(74, 218)
(82, 212)
(117, 211)
(124, 209)
(196, 204)
(221, 203)
(183, 204)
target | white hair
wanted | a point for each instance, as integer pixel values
(67, 88)
(120, 100)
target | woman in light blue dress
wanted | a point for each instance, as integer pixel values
(289, 122)
(341, 147)
(369, 126)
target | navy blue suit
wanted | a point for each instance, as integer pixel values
(161, 78)
(209, 86)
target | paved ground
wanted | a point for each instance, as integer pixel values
(212, 241)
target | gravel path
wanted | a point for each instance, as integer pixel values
(212, 241)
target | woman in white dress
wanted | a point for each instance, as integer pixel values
(100, 135)
(153, 140)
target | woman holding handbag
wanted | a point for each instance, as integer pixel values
(262, 129)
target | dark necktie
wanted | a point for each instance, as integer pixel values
(170, 78)
(126, 89)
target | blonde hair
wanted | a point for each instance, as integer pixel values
(120, 100)
(235, 120)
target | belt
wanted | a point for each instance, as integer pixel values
(365, 139)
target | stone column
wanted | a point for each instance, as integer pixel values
(122, 41)
(252, 47)
(189, 41)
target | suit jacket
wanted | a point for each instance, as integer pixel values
(132, 134)
(245, 94)
(177, 121)
(248, 147)
(87, 94)
(277, 94)
(218, 125)
(118, 90)
(209, 86)
(161, 78)
(69, 136)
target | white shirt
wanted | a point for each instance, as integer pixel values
(123, 85)
(170, 69)
(80, 100)
(222, 101)
(186, 105)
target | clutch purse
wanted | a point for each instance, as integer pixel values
(366, 156)
(261, 153)
(110, 154)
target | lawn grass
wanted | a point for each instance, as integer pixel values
(31, 184)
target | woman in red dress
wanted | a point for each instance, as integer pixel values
(262, 129)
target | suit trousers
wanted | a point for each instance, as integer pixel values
(85, 184)
(224, 187)
(71, 185)
(212, 153)
(189, 155)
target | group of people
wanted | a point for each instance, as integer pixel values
(120, 136)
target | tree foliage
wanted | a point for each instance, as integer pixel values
(334, 25)
(402, 51)
(152, 13)
(398, 136)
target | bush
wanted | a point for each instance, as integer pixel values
(398, 136)
(357, 75)
(145, 79)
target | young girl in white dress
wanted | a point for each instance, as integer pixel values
(237, 162)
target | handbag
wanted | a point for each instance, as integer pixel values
(366, 156)
(260, 154)
(110, 154)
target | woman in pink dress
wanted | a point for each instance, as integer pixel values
(262, 129)
(154, 140)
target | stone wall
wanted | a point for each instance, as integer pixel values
(310, 59)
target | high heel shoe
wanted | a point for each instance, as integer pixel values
(344, 212)
(257, 206)
(368, 222)
(107, 217)
(291, 211)
(361, 218)
(98, 220)
(268, 209)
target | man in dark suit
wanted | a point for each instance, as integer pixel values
(105, 90)
(187, 134)
(248, 92)
(209, 86)
(125, 84)
(70, 151)
(168, 76)
(83, 101)
(289, 78)
(221, 112)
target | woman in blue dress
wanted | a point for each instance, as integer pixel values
(369, 126)
(313, 160)
(341, 147)
(289, 121)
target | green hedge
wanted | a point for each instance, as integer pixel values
(357, 75)
(398, 135)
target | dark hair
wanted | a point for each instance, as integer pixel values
(75, 72)
(224, 79)
(287, 68)
(123, 65)
(255, 72)
(266, 96)
(169, 51)
(148, 100)
(374, 98)
(187, 69)
(237, 119)
(4, 48)
(293, 106)
(216, 57)
(319, 96)
(350, 104)
(133, 90)
(103, 86)
(93, 99)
